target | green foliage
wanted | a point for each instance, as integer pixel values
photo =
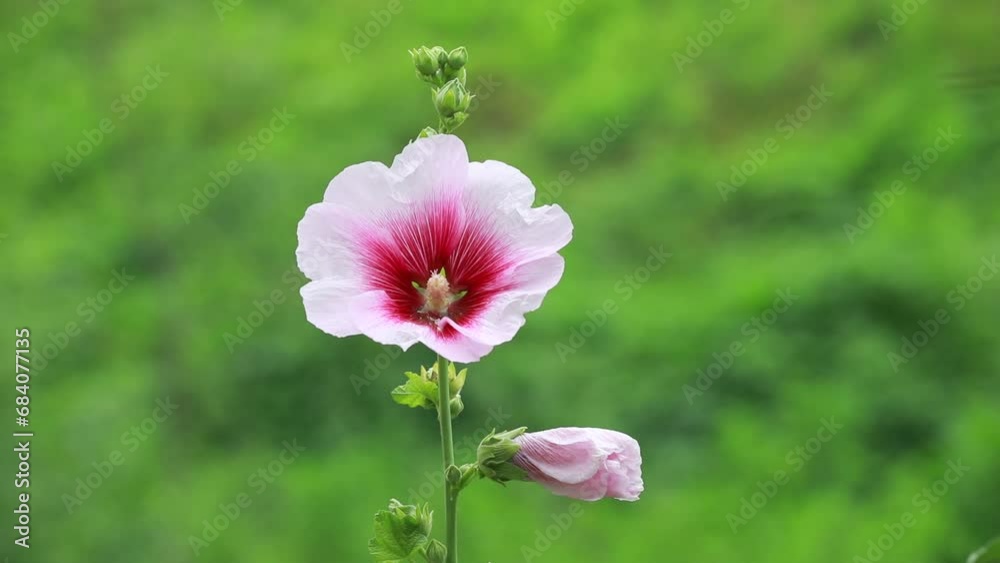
(418, 391)
(421, 389)
(400, 532)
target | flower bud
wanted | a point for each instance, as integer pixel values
(452, 98)
(436, 552)
(440, 55)
(425, 63)
(469, 472)
(453, 474)
(456, 406)
(582, 463)
(458, 57)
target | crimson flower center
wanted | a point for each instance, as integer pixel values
(437, 260)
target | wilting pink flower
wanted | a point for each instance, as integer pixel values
(434, 249)
(583, 463)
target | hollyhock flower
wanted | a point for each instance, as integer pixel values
(582, 463)
(434, 249)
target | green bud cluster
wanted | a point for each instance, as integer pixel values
(421, 389)
(445, 72)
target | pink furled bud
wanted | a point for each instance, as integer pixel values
(582, 463)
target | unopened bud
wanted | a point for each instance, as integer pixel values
(425, 63)
(452, 98)
(456, 406)
(440, 55)
(436, 552)
(458, 57)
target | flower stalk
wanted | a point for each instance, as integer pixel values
(448, 453)
(501, 255)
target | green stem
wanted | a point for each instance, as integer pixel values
(448, 448)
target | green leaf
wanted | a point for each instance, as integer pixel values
(418, 391)
(400, 531)
(989, 553)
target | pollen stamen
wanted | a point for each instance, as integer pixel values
(437, 294)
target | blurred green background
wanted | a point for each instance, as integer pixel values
(549, 77)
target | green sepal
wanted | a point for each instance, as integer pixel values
(495, 454)
(449, 124)
(456, 380)
(418, 391)
(470, 471)
(400, 531)
(453, 475)
(455, 407)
